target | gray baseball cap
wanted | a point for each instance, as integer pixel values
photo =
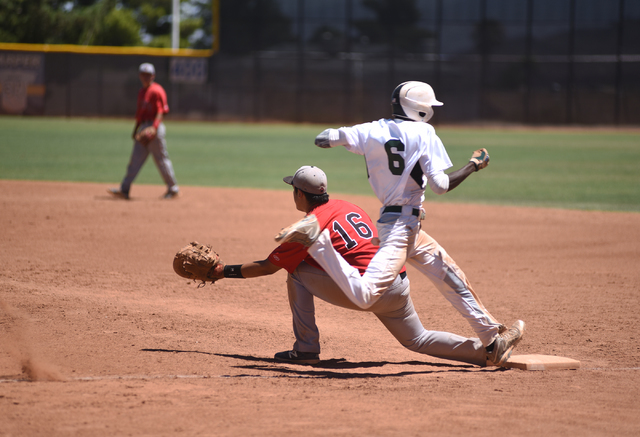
(147, 68)
(309, 179)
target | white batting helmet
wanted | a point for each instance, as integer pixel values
(413, 101)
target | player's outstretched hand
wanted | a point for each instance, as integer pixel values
(323, 139)
(480, 159)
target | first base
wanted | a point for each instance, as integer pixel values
(541, 362)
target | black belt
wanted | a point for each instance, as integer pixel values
(403, 275)
(415, 211)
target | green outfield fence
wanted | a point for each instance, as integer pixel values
(337, 61)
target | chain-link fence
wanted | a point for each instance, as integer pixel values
(337, 61)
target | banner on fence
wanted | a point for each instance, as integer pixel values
(22, 83)
(188, 70)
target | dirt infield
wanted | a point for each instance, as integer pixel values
(98, 335)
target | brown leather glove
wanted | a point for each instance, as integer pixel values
(198, 262)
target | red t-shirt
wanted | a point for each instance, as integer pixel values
(351, 232)
(151, 100)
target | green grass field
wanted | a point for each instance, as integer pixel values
(577, 169)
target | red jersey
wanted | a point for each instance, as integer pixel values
(151, 100)
(351, 232)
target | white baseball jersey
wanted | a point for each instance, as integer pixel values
(401, 156)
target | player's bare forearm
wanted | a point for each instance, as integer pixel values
(259, 268)
(159, 117)
(456, 177)
(479, 160)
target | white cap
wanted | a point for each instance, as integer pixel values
(309, 179)
(147, 68)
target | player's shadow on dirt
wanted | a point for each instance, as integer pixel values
(176, 351)
(324, 368)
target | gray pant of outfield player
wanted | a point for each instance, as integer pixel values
(394, 309)
(158, 149)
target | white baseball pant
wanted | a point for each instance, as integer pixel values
(401, 241)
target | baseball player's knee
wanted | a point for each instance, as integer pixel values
(414, 344)
(454, 281)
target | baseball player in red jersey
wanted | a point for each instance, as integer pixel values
(350, 232)
(149, 135)
(404, 155)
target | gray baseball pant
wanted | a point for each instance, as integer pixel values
(394, 309)
(158, 149)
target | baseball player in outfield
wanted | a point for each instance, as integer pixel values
(152, 105)
(349, 231)
(403, 155)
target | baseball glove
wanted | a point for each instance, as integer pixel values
(198, 262)
(480, 159)
(146, 135)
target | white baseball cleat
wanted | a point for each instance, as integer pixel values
(305, 232)
(504, 344)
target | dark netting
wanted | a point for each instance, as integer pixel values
(337, 61)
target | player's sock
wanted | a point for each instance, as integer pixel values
(491, 346)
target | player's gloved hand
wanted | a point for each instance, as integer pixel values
(480, 159)
(217, 271)
(322, 140)
(199, 262)
(328, 138)
(146, 135)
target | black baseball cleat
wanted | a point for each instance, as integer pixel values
(117, 193)
(171, 194)
(297, 357)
